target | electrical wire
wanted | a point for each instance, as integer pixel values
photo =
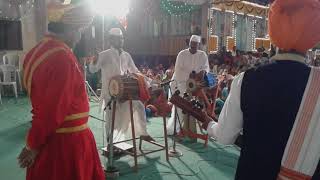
(197, 165)
(195, 150)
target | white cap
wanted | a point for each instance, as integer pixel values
(115, 32)
(195, 38)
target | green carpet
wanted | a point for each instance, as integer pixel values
(216, 162)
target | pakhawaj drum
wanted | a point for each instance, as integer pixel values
(124, 87)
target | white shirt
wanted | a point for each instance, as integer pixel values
(230, 121)
(111, 64)
(186, 63)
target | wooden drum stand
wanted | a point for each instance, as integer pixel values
(112, 171)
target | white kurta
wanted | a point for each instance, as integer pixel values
(185, 64)
(231, 117)
(111, 63)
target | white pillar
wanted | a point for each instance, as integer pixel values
(41, 18)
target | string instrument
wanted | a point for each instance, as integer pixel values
(191, 107)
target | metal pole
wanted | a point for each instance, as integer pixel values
(110, 148)
(165, 137)
(111, 171)
(175, 127)
(103, 43)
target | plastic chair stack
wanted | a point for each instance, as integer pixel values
(9, 77)
(13, 60)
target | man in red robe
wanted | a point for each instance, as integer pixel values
(59, 145)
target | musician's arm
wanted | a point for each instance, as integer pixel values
(131, 65)
(230, 121)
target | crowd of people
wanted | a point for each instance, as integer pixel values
(224, 64)
(157, 73)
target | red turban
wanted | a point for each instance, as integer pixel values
(295, 24)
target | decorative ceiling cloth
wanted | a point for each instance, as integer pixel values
(192, 2)
(242, 7)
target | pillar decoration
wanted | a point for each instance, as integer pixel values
(254, 24)
(213, 44)
(223, 27)
(230, 43)
(262, 42)
(234, 28)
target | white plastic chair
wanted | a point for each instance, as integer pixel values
(13, 59)
(9, 77)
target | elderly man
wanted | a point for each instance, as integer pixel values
(60, 144)
(280, 140)
(112, 62)
(188, 60)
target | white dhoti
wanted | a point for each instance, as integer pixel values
(181, 116)
(122, 126)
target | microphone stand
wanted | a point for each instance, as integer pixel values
(111, 171)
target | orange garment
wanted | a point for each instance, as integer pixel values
(143, 90)
(288, 174)
(295, 24)
(60, 109)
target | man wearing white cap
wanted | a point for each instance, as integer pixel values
(188, 60)
(112, 62)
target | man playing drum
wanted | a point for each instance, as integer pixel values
(113, 62)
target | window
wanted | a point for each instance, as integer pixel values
(10, 35)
